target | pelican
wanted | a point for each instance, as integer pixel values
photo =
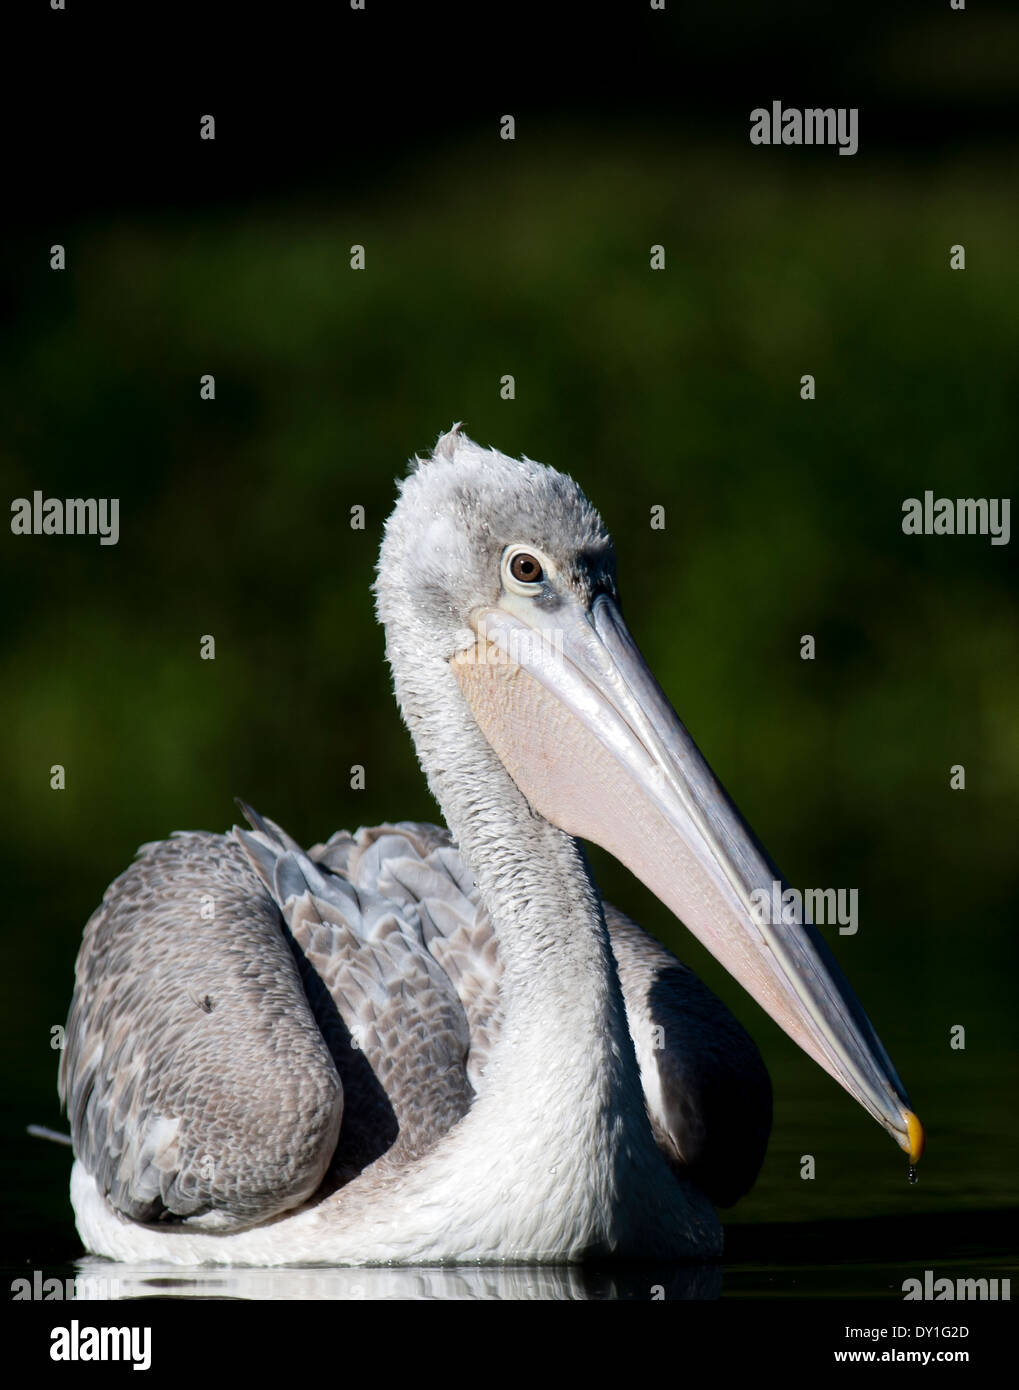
(422, 1045)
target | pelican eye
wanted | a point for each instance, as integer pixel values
(526, 569)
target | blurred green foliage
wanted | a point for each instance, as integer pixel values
(678, 388)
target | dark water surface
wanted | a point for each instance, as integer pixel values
(765, 1263)
(781, 1243)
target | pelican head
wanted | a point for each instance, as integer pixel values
(497, 588)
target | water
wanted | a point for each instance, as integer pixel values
(766, 1264)
(780, 1244)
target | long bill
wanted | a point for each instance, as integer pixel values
(570, 707)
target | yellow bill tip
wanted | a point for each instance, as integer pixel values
(917, 1138)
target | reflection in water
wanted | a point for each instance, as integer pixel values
(105, 1279)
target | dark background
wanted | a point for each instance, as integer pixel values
(678, 388)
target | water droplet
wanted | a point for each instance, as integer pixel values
(554, 1170)
(911, 1174)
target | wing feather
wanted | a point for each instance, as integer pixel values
(197, 1082)
(400, 1023)
(706, 1087)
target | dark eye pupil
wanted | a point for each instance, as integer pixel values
(525, 568)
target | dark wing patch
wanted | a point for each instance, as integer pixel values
(710, 1102)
